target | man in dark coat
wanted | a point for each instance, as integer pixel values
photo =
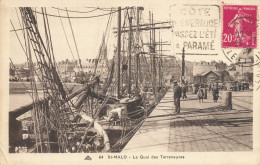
(177, 95)
(184, 90)
(215, 93)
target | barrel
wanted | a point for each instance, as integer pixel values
(205, 93)
(227, 99)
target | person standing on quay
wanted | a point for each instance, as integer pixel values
(215, 93)
(184, 90)
(200, 94)
(177, 95)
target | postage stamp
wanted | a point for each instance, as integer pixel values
(239, 26)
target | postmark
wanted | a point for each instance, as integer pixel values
(245, 57)
(239, 26)
(196, 29)
(248, 59)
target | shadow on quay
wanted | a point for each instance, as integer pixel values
(226, 122)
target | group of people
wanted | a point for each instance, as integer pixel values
(215, 93)
(179, 92)
(242, 86)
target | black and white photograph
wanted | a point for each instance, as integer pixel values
(129, 81)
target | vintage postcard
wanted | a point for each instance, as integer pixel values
(169, 82)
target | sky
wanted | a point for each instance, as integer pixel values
(88, 33)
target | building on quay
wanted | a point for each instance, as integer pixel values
(210, 72)
(88, 68)
(66, 70)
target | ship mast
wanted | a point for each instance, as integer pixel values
(160, 60)
(183, 65)
(137, 44)
(129, 54)
(118, 51)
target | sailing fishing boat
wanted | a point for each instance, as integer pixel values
(89, 119)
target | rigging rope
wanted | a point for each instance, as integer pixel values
(94, 16)
(22, 27)
(51, 77)
(74, 41)
(73, 11)
(104, 8)
(52, 83)
(94, 118)
(18, 37)
(102, 47)
(66, 35)
(50, 39)
(18, 18)
(48, 36)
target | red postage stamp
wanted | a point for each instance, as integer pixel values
(239, 26)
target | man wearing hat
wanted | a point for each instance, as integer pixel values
(177, 95)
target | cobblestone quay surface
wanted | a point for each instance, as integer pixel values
(200, 127)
